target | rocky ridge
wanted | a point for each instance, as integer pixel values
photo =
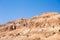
(41, 27)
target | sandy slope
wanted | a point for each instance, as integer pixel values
(42, 27)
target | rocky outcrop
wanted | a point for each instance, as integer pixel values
(42, 27)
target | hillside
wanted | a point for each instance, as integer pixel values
(45, 26)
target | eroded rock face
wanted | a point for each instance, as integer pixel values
(42, 27)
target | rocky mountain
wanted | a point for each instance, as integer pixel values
(45, 26)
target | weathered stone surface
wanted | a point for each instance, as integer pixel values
(42, 27)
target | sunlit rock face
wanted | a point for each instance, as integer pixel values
(45, 26)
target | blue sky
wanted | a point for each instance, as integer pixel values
(14, 9)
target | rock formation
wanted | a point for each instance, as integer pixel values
(41, 27)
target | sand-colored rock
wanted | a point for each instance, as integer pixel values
(41, 27)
